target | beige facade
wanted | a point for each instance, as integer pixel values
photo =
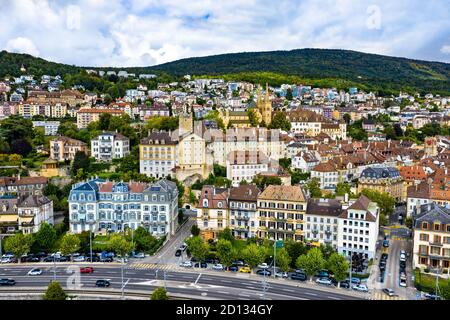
(64, 148)
(85, 116)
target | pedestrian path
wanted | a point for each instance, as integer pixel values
(143, 266)
(382, 296)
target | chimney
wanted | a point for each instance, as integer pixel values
(346, 197)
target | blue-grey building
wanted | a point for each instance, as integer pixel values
(106, 207)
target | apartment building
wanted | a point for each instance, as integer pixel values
(322, 217)
(245, 165)
(358, 228)
(109, 207)
(281, 211)
(50, 127)
(311, 123)
(382, 179)
(431, 237)
(65, 148)
(85, 115)
(212, 211)
(32, 212)
(22, 186)
(158, 155)
(110, 145)
(242, 203)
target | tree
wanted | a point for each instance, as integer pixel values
(21, 146)
(197, 247)
(226, 234)
(225, 252)
(383, 199)
(70, 244)
(19, 244)
(253, 255)
(312, 262)
(289, 95)
(143, 240)
(280, 121)
(314, 188)
(120, 245)
(342, 189)
(347, 118)
(46, 237)
(283, 260)
(81, 161)
(339, 266)
(294, 250)
(327, 251)
(104, 121)
(445, 291)
(159, 294)
(107, 99)
(409, 222)
(195, 230)
(55, 292)
(252, 117)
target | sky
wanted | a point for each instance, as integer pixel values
(125, 33)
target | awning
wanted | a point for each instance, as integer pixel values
(9, 218)
(27, 219)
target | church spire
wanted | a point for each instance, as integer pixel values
(267, 92)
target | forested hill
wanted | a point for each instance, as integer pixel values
(339, 68)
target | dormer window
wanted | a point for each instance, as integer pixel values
(205, 203)
(437, 227)
(425, 225)
(219, 204)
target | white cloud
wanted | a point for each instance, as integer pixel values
(22, 45)
(146, 32)
(445, 49)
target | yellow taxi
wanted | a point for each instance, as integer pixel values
(245, 270)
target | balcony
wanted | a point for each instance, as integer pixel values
(287, 231)
(241, 228)
(239, 217)
(436, 244)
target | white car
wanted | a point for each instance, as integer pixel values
(5, 260)
(403, 283)
(402, 257)
(183, 247)
(263, 266)
(79, 259)
(186, 264)
(35, 272)
(325, 281)
(282, 275)
(8, 255)
(361, 288)
(218, 267)
(139, 255)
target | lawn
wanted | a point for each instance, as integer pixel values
(427, 282)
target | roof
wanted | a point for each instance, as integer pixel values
(361, 204)
(69, 140)
(380, 173)
(244, 193)
(324, 207)
(32, 201)
(116, 135)
(247, 157)
(85, 110)
(325, 167)
(162, 137)
(134, 187)
(13, 181)
(283, 193)
(214, 196)
(432, 213)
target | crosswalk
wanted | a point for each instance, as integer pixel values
(382, 296)
(143, 266)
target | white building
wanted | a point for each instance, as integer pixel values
(50, 127)
(110, 145)
(358, 228)
(305, 161)
(245, 165)
(33, 211)
(322, 217)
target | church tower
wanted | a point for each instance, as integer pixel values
(186, 123)
(265, 106)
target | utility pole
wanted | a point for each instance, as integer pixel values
(165, 281)
(54, 268)
(122, 277)
(351, 267)
(90, 242)
(274, 257)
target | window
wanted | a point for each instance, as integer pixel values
(424, 237)
(437, 227)
(425, 225)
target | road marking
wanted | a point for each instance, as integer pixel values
(198, 278)
(311, 294)
(226, 281)
(252, 288)
(334, 298)
(223, 292)
(244, 295)
(288, 290)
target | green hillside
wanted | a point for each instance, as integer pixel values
(340, 68)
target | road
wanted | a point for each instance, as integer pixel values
(166, 255)
(203, 286)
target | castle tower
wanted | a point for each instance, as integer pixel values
(186, 123)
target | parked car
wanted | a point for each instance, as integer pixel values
(218, 267)
(384, 256)
(239, 263)
(201, 265)
(186, 264)
(48, 259)
(344, 284)
(323, 274)
(361, 288)
(183, 247)
(233, 269)
(355, 280)
(40, 255)
(7, 282)
(178, 253)
(402, 257)
(282, 275)
(139, 255)
(79, 259)
(87, 270)
(245, 270)
(32, 259)
(35, 272)
(263, 266)
(299, 276)
(6, 260)
(64, 259)
(386, 243)
(264, 272)
(8, 255)
(106, 259)
(389, 292)
(429, 296)
(403, 282)
(95, 258)
(324, 281)
(102, 283)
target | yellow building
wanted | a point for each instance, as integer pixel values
(50, 169)
(382, 179)
(281, 211)
(236, 119)
(88, 115)
(265, 106)
(157, 155)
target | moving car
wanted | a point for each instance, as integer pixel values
(186, 264)
(7, 282)
(245, 270)
(264, 272)
(324, 281)
(386, 243)
(429, 296)
(389, 292)
(361, 288)
(384, 256)
(87, 270)
(282, 275)
(298, 276)
(102, 283)
(218, 267)
(178, 253)
(34, 272)
(263, 266)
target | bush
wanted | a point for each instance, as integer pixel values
(55, 292)
(159, 294)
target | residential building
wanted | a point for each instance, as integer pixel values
(326, 174)
(382, 179)
(431, 229)
(242, 203)
(212, 211)
(22, 186)
(33, 211)
(65, 148)
(358, 228)
(50, 127)
(427, 192)
(85, 115)
(110, 207)
(245, 165)
(110, 145)
(311, 123)
(305, 161)
(322, 221)
(281, 211)
(158, 155)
